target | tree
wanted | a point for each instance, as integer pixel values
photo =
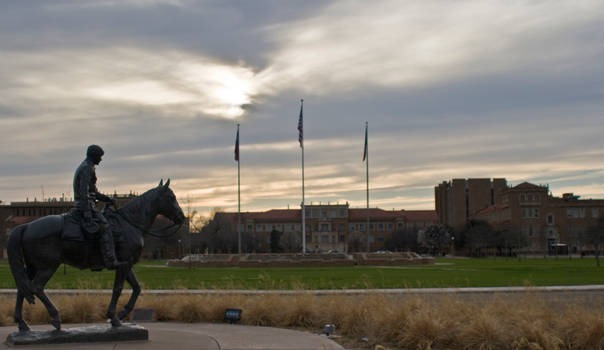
(291, 242)
(275, 238)
(479, 235)
(512, 238)
(594, 235)
(219, 234)
(357, 241)
(437, 239)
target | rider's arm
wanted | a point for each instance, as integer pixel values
(83, 191)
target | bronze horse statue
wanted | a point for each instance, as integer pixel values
(37, 249)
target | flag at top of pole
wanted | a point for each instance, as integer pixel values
(365, 149)
(237, 144)
(301, 125)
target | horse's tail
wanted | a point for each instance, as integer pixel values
(17, 263)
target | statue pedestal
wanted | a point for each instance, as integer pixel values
(87, 334)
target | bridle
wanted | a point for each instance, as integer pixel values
(156, 232)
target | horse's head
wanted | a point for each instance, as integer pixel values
(167, 203)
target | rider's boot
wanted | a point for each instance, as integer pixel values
(108, 250)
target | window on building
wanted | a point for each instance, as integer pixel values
(575, 212)
(315, 213)
(258, 228)
(342, 213)
(342, 227)
(522, 197)
(400, 225)
(530, 212)
(390, 226)
(324, 227)
(594, 212)
(298, 227)
(380, 238)
(324, 213)
(324, 239)
(361, 227)
(333, 213)
(351, 227)
(550, 219)
(249, 228)
(371, 226)
(307, 213)
(342, 238)
(381, 226)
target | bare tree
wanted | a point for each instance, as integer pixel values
(595, 236)
(291, 242)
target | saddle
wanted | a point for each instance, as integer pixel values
(75, 228)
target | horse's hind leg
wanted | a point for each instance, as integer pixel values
(40, 280)
(18, 315)
(136, 289)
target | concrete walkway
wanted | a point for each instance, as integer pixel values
(464, 290)
(200, 336)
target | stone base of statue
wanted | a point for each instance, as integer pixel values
(86, 334)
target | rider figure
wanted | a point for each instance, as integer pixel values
(86, 194)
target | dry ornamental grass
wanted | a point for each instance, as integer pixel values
(527, 322)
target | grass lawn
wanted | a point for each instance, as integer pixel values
(485, 272)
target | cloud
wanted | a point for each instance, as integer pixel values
(356, 45)
(463, 89)
(180, 83)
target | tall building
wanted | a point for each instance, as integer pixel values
(458, 200)
(331, 226)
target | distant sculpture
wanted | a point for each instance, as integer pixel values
(86, 194)
(37, 249)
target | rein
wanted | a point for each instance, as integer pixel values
(154, 233)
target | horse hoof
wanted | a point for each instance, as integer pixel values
(56, 324)
(24, 328)
(116, 323)
(122, 315)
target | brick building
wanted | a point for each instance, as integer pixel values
(547, 221)
(458, 200)
(332, 226)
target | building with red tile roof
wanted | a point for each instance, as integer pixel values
(332, 226)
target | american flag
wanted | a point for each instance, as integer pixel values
(301, 126)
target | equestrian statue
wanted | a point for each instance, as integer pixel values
(87, 238)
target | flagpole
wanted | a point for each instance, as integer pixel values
(238, 196)
(367, 177)
(301, 139)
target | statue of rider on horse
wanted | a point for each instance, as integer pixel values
(36, 249)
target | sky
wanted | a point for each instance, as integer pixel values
(450, 89)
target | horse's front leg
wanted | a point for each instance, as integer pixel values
(136, 290)
(118, 285)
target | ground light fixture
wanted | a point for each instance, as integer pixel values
(232, 315)
(329, 329)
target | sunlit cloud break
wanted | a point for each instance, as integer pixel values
(190, 85)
